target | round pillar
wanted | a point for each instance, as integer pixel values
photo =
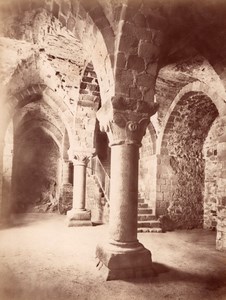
(79, 215)
(124, 193)
(79, 185)
(121, 255)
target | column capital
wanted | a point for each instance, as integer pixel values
(124, 126)
(80, 157)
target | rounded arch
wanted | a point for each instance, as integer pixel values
(191, 88)
(181, 169)
(35, 93)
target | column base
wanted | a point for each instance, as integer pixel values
(79, 217)
(124, 260)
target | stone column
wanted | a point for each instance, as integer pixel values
(122, 256)
(79, 215)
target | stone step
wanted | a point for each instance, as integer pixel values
(144, 211)
(147, 217)
(140, 200)
(148, 224)
(142, 205)
(151, 230)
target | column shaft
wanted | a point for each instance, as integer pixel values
(79, 186)
(124, 193)
(79, 215)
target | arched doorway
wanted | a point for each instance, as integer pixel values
(181, 179)
(36, 172)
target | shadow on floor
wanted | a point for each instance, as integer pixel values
(165, 274)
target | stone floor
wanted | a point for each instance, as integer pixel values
(41, 258)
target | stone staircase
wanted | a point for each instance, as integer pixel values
(146, 221)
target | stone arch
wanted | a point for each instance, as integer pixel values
(196, 86)
(35, 93)
(31, 94)
(181, 168)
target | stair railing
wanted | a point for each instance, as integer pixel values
(102, 177)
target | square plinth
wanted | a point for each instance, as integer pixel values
(79, 218)
(124, 263)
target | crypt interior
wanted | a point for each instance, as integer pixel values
(113, 149)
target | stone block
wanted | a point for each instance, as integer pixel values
(139, 20)
(223, 201)
(135, 63)
(124, 261)
(148, 50)
(145, 80)
(121, 60)
(134, 93)
(152, 68)
(70, 24)
(127, 43)
(79, 218)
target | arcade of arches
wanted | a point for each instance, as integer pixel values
(114, 112)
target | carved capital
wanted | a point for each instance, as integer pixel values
(81, 157)
(124, 127)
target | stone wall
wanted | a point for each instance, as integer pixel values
(89, 101)
(183, 140)
(221, 190)
(211, 177)
(36, 173)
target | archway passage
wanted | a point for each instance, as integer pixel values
(182, 186)
(36, 173)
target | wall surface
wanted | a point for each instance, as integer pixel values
(36, 173)
(211, 177)
(188, 127)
